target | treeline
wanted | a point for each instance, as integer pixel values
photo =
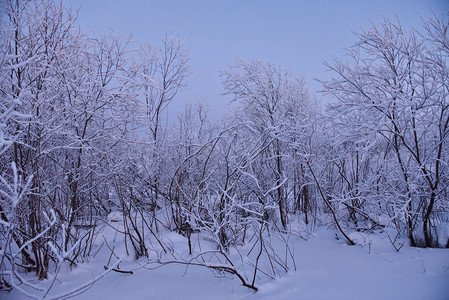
(82, 134)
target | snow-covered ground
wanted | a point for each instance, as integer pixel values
(326, 268)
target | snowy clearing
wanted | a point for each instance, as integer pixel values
(327, 268)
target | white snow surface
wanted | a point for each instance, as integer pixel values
(326, 268)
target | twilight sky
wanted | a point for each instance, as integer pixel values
(299, 35)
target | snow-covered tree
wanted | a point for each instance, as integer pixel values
(266, 96)
(392, 106)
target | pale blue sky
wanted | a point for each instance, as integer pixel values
(299, 35)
